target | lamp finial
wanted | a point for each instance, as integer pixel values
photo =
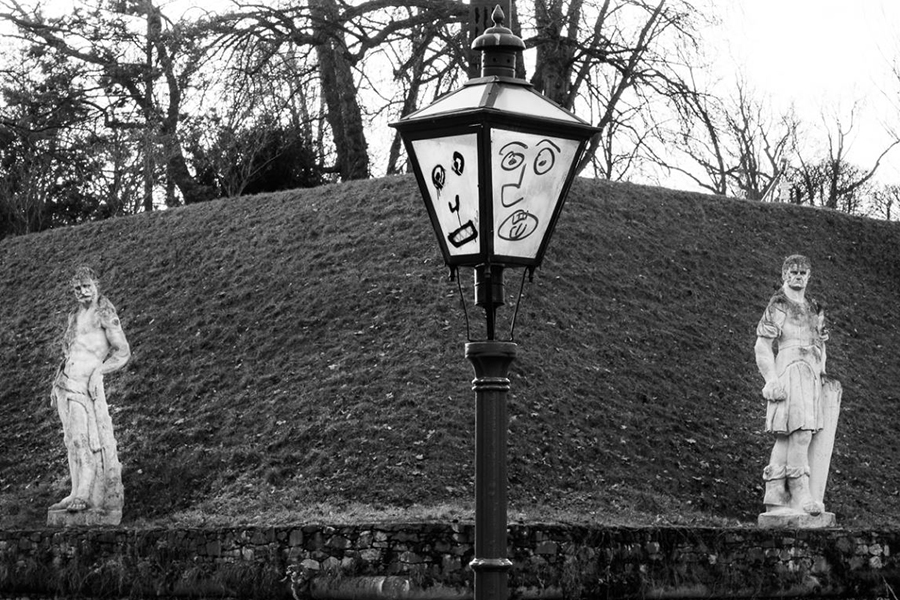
(497, 16)
(498, 46)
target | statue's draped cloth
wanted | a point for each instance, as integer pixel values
(107, 491)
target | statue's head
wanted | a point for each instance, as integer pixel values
(85, 284)
(795, 271)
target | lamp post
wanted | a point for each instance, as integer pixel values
(494, 161)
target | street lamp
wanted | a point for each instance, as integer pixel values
(494, 161)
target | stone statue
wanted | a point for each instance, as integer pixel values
(802, 402)
(93, 345)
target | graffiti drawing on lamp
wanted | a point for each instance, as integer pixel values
(517, 216)
(466, 231)
(521, 223)
(518, 226)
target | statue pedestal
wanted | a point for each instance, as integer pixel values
(84, 518)
(791, 520)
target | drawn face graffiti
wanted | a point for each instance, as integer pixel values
(519, 165)
(528, 176)
(447, 165)
(466, 232)
(515, 164)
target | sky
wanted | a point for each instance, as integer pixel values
(820, 55)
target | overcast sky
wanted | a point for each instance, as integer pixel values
(820, 54)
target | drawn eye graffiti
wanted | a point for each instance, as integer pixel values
(459, 163)
(439, 177)
(512, 160)
(518, 226)
(544, 160)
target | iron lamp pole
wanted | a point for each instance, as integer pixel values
(494, 161)
(491, 360)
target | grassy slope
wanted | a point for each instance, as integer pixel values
(300, 355)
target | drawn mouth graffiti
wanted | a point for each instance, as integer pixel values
(518, 226)
(463, 235)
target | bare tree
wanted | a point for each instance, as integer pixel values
(759, 142)
(884, 200)
(344, 37)
(339, 90)
(126, 66)
(734, 145)
(330, 68)
(619, 56)
(697, 140)
(626, 50)
(410, 74)
(263, 98)
(833, 181)
(50, 171)
(424, 70)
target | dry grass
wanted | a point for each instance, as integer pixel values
(299, 356)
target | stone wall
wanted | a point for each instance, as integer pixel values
(429, 561)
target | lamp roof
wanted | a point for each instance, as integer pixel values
(499, 94)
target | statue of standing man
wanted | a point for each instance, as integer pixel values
(94, 345)
(802, 403)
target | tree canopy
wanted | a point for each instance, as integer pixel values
(122, 106)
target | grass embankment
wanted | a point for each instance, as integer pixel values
(300, 356)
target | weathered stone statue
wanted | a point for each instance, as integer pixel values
(94, 344)
(802, 402)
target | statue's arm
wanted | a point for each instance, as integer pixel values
(119, 351)
(765, 361)
(118, 355)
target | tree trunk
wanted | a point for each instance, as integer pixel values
(555, 53)
(554, 74)
(409, 104)
(343, 112)
(176, 165)
(479, 20)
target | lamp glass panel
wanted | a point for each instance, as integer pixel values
(461, 99)
(529, 173)
(523, 101)
(450, 169)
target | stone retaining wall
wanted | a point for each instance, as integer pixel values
(430, 561)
